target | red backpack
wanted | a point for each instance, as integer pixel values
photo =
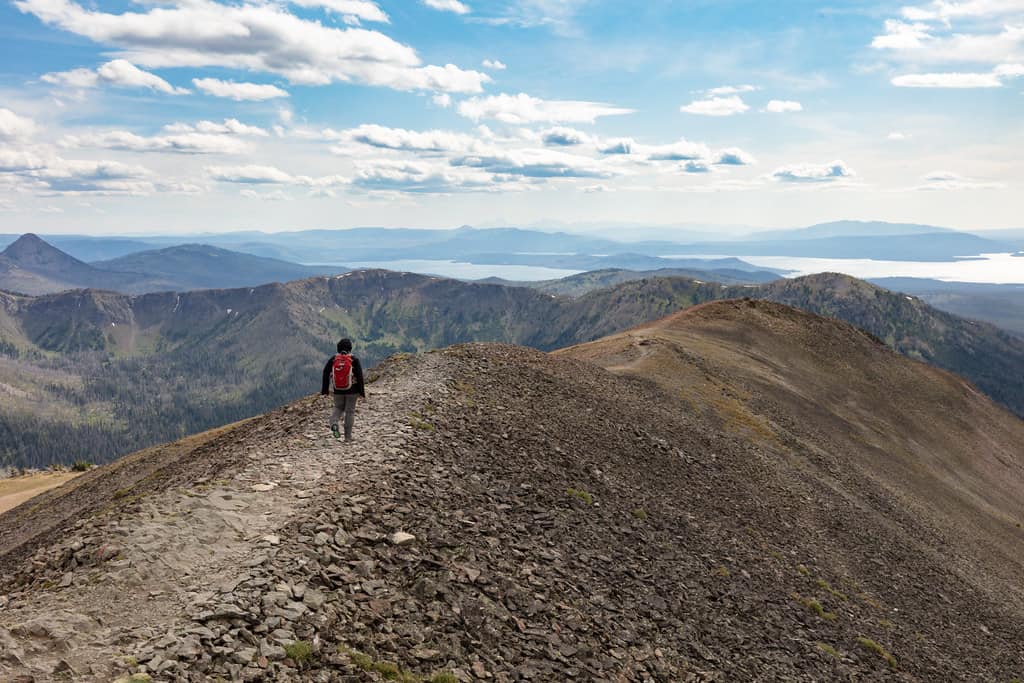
(343, 378)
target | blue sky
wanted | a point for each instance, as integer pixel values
(197, 115)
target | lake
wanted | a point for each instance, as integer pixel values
(990, 268)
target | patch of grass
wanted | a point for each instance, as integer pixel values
(815, 606)
(388, 670)
(581, 495)
(444, 677)
(81, 466)
(803, 569)
(868, 600)
(886, 623)
(824, 585)
(299, 652)
(640, 514)
(416, 421)
(122, 493)
(869, 644)
(829, 650)
(364, 662)
(723, 571)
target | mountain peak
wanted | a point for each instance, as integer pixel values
(30, 250)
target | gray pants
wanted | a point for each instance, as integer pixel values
(345, 404)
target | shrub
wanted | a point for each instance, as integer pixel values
(81, 466)
(299, 652)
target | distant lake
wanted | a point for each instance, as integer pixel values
(468, 271)
(990, 268)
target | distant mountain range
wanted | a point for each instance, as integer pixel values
(79, 359)
(516, 246)
(30, 265)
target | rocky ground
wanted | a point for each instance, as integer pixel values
(504, 515)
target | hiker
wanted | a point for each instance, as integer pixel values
(344, 375)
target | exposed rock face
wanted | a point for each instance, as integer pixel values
(508, 515)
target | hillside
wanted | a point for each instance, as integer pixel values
(31, 265)
(582, 283)
(200, 266)
(71, 364)
(761, 495)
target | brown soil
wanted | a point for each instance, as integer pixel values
(16, 490)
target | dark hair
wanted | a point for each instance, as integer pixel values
(344, 346)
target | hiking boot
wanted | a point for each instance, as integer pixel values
(335, 431)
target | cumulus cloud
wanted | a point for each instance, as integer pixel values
(813, 173)
(186, 143)
(716, 106)
(523, 109)
(945, 10)
(494, 64)
(227, 127)
(782, 106)
(448, 6)
(15, 127)
(564, 137)
(696, 166)
(119, 73)
(400, 139)
(272, 196)
(948, 80)
(443, 100)
(535, 163)
(418, 177)
(617, 146)
(239, 92)
(683, 150)
(258, 37)
(256, 174)
(733, 156)
(59, 176)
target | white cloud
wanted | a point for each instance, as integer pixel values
(400, 139)
(419, 177)
(15, 127)
(238, 91)
(494, 64)
(256, 174)
(448, 6)
(813, 173)
(228, 127)
(896, 136)
(979, 32)
(947, 180)
(255, 37)
(733, 156)
(731, 90)
(353, 10)
(185, 143)
(443, 100)
(683, 150)
(617, 146)
(782, 106)
(118, 73)
(696, 166)
(564, 137)
(77, 177)
(948, 80)
(535, 163)
(16, 161)
(272, 196)
(945, 10)
(523, 109)
(716, 106)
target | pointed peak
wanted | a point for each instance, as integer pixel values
(31, 249)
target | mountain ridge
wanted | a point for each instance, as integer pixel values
(501, 506)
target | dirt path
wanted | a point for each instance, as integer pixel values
(168, 555)
(17, 490)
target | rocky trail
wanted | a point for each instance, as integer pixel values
(504, 515)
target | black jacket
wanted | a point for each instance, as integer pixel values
(357, 385)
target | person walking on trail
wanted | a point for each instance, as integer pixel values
(344, 376)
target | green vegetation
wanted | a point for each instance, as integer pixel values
(829, 650)
(824, 585)
(581, 495)
(869, 644)
(723, 572)
(299, 652)
(815, 606)
(81, 466)
(640, 514)
(418, 422)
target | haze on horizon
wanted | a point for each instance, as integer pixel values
(115, 119)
